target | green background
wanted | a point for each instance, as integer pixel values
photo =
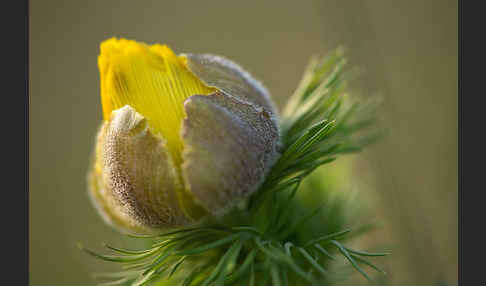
(408, 50)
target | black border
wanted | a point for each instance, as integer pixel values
(26, 133)
(471, 114)
(14, 116)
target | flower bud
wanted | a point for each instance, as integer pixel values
(182, 137)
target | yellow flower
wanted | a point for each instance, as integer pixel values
(183, 136)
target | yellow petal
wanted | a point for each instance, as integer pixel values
(151, 79)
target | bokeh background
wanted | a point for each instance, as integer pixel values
(408, 50)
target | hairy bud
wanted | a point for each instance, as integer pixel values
(183, 137)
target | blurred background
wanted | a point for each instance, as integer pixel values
(408, 50)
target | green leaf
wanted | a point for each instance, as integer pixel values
(230, 262)
(363, 253)
(222, 263)
(328, 237)
(312, 262)
(275, 276)
(206, 247)
(361, 260)
(246, 265)
(324, 251)
(115, 258)
(350, 259)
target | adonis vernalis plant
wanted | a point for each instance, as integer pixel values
(193, 157)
